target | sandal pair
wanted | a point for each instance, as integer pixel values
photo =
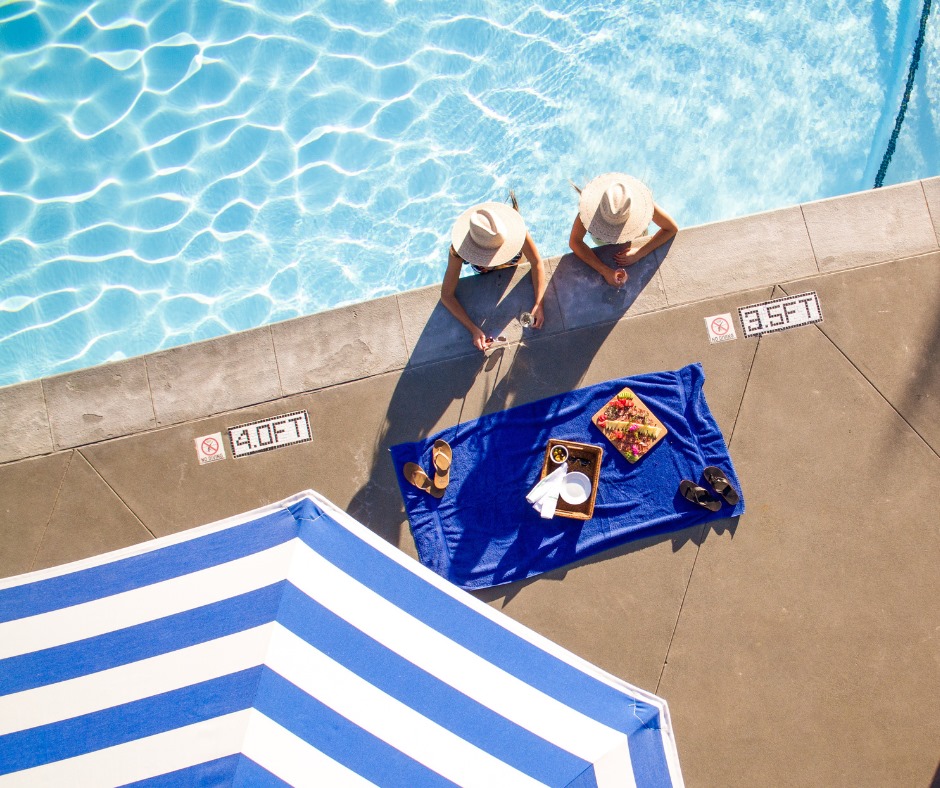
(702, 497)
(441, 457)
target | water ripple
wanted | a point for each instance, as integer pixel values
(171, 171)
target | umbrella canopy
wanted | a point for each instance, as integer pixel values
(293, 645)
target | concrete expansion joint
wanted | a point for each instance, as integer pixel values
(881, 394)
(55, 503)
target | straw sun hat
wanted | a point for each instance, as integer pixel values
(488, 234)
(615, 207)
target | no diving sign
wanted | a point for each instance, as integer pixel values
(720, 328)
(209, 448)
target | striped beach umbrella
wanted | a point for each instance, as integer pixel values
(292, 645)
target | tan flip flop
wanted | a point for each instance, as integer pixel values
(416, 475)
(442, 456)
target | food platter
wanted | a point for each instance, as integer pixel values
(629, 425)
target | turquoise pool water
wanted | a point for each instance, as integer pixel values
(173, 171)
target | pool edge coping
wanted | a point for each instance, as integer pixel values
(198, 380)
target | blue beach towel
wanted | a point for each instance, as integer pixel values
(483, 532)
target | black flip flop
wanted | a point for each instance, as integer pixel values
(717, 479)
(692, 492)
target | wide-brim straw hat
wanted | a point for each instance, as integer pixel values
(488, 234)
(615, 207)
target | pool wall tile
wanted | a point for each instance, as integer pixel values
(740, 254)
(195, 381)
(339, 346)
(24, 421)
(98, 403)
(870, 227)
(931, 188)
(494, 301)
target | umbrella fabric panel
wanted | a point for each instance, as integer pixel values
(72, 737)
(218, 772)
(449, 613)
(142, 565)
(91, 655)
(418, 689)
(294, 642)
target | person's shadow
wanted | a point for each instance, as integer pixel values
(447, 381)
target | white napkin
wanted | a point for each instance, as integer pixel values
(546, 485)
(546, 506)
(544, 496)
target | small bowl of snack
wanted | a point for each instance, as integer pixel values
(559, 454)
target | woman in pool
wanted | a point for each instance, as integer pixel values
(488, 237)
(616, 208)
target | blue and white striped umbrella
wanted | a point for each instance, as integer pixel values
(293, 645)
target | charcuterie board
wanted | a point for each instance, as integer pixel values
(629, 425)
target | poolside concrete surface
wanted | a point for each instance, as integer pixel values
(799, 644)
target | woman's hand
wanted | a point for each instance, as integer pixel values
(480, 342)
(610, 276)
(628, 256)
(538, 316)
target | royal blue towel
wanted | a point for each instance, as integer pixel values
(483, 532)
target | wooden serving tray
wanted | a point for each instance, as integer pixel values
(625, 410)
(587, 454)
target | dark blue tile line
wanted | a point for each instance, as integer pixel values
(902, 110)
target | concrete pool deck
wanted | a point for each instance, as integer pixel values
(798, 644)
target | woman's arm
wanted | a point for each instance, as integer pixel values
(587, 254)
(539, 283)
(667, 229)
(449, 299)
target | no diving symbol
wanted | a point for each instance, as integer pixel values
(209, 448)
(720, 326)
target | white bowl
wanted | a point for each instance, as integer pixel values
(575, 488)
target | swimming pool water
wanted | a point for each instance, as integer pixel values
(173, 171)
